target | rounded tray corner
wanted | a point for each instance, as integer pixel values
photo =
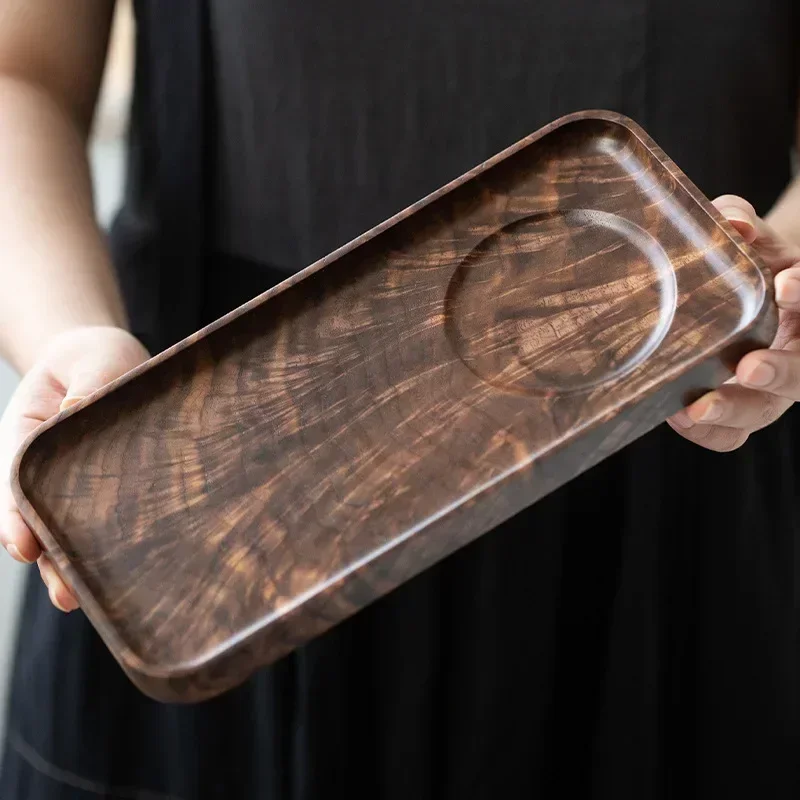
(18, 489)
(191, 681)
(34, 439)
(162, 686)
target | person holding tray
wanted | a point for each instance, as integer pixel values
(634, 634)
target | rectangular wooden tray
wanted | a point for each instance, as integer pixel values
(254, 485)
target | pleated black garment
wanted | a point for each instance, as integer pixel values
(632, 636)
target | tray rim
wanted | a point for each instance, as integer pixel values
(144, 671)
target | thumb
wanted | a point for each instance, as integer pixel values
(777, 252)
(740, 214)
(82, 386)
(95, 370)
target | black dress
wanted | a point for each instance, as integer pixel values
(633, 635)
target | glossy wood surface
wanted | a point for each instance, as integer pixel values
(256, 484)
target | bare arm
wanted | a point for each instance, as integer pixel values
(55, 271)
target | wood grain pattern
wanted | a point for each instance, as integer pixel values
(256, 484)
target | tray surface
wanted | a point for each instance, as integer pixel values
(292, 462)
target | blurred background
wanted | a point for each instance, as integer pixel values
(106, 154)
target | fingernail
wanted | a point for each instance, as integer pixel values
(736, 215)
(67, 402)
(712, 412)
(788, 291)
(682, 421)
(14, 552)
(55, 601)
(761, 375)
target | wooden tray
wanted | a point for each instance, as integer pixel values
(264, 479)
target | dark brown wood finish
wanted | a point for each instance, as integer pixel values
(251, 487)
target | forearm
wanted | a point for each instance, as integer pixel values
(785, 214)
(55, 270)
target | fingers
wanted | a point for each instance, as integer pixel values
(712, 437)
(72, 366)
(768, 385)
(767, 382)
(15, 535)
(740, 214)
(17, 538)
(776, 372)
(777, 253)
(787, 289)
(734, 406)
(60, 595)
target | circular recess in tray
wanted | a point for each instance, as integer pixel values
(563, 301)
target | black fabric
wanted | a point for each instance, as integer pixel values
(158, 239)
(634, 635)
(329, 120)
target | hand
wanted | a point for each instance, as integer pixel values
(767, 382)
(74, 364)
